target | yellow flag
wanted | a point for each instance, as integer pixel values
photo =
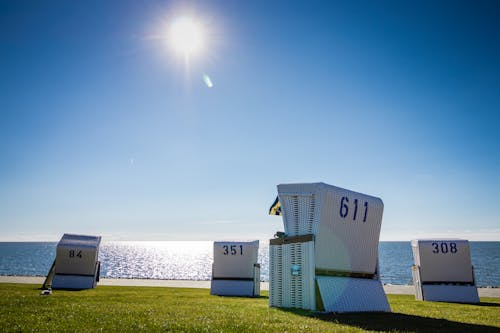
(275, 208)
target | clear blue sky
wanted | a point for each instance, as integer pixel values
(104, 130)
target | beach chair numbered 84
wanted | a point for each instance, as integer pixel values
(76, 265)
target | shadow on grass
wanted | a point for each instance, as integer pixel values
(243, 297)
(38, 287)
(486, 304)
(383, 321)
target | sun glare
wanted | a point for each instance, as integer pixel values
(186, 36)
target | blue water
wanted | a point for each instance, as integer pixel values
(193, 260)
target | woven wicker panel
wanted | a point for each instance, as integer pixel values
(415, 272)
(344, 294)
(287, 289)
(80, 240)
(232, 288)
(445, 260)
(275, 275)
(450, 293)
(77, 282)
(298, 214)
(256, 281)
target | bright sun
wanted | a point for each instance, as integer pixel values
(186, 36)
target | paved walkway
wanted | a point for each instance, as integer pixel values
(389, 289)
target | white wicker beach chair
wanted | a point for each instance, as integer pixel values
(328, 257)
(235, 271)
(76, 265)
(443, 271)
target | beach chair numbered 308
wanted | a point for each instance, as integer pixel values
(76, 265)
(235, 271)
(443, 271)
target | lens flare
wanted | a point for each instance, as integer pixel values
(207, 81)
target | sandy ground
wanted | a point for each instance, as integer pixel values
(389, 289)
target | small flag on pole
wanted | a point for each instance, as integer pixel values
(275, 208)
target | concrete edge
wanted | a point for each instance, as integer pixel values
(389, 289)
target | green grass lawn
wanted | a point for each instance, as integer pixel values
(133, 309)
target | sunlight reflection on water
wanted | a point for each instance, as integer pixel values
(181, 260)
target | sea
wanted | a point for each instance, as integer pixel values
(192, 260)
